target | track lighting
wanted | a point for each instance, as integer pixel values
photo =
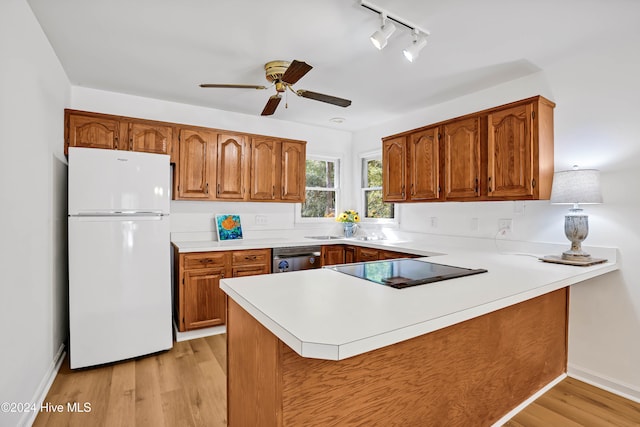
(387, 28)
(381, 37)
(413, 50)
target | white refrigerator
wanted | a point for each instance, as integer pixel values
(119, 255)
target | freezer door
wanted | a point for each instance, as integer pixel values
(115, 181)
(119, 288)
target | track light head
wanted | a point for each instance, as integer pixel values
(380, 37)
(412, 51)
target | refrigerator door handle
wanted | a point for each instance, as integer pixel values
(119, 213)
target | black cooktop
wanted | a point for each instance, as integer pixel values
(403, 273)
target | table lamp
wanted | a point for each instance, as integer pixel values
(576, 187)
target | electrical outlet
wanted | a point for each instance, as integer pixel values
(434, 222)
(261, 220)
(505, 225)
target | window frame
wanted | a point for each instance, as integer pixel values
(363, 158)
(336, 188)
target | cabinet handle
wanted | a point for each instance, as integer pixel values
(402, 190)
(476, 189)
(222, 275)
(218, 189)
(116, 141)
(412, 191)
(533, 183)
(207, 189)
(489, 184)
(273, 192)
(205, 260)
(130, 144)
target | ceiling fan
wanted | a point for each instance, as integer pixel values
(283, 75)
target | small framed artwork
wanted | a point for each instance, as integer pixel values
(228, 227)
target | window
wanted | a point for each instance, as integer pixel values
(322, 188)
(374, 207)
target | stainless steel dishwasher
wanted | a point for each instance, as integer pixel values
(295, 258)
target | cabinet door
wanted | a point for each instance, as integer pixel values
(230, 168)
(349, 254)
(205, 304)
(332, 255)
(293, 171)
(264, 169)
(150, 138)
(366, 254)
(196, 157)
(394, 160)
(510, 152)
(92, 132)
(424, 165)
(462, 159)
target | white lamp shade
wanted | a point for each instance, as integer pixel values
(576, 186)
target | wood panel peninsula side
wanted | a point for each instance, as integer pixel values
(470, 373)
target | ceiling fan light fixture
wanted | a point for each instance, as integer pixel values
(412, 51)
(381, 37)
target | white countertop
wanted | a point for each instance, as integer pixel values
(329, 315)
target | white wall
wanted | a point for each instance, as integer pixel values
(596, 126)
(33, 93)
(197, 216)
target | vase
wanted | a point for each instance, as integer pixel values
(349, 229)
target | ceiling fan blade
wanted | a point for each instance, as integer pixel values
(225, 86)
(295, 71)
(324, 98)
(271, 106)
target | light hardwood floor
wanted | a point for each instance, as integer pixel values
(186, 386)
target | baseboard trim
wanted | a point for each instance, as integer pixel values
(41, 392)
(198, 333)
(611, 385)
(527, 402)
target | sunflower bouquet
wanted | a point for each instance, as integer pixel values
(348, 216)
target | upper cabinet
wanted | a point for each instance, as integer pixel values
(503, 153)
(230, 167)
(209, 164)
(197, 161)
(94, 130)
(462, 159)
(277, 170)
(394, 164)
(91, 132)
(520, 151)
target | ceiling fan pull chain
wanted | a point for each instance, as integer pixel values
(286, 99)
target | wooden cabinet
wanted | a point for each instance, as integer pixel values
(394, 163)
(385, 254)
(462, 159)
(196, 165)
(265, 168)
(250, 262)
(332, 255)
(277, 170)
(349, 254)
(94, 130)
(91, 132)
(424, 165)
(230, 167)
(198, 300)
(503, 153)
(293, 154)
(520, 151)
(210, 164)
(366, 254)
(150, 138)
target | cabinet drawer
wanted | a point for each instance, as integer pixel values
(205, 259)
(250, 270)
(253, 256)
(366, 254)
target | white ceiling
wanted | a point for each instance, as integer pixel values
(164, 48)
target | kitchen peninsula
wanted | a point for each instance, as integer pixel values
(324, 348)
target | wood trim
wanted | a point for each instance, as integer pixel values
(471, 373)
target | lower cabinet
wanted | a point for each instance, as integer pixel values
(198, 300)
(347, 254)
